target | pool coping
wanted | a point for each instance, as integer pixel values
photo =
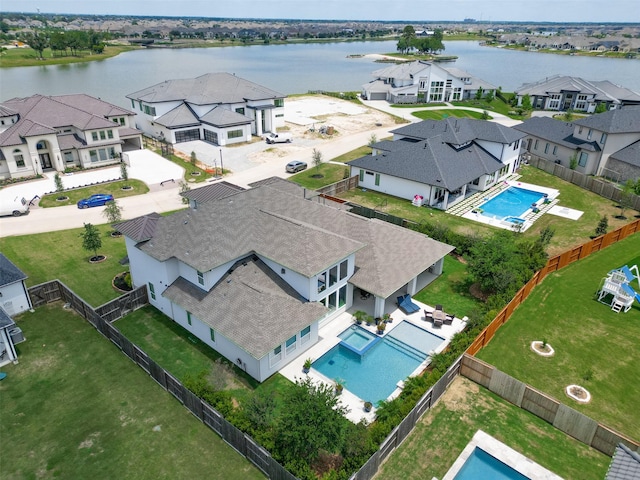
(503, 453)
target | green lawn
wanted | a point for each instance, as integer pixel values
(594, 346)
(444, 431)
(27, 57)
(451, 289)
(326, 174)
(76, 407)
(114, 188)
(47, 256)
(442, 114)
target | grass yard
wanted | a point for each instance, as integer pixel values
(47, 256)
(325, 174)
(442, 114)
(594, 346)
(451, 289)
(27, 57)
(114, 188)
(76, 407)
(465, 408)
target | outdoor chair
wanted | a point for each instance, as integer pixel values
(428, 316)
(437, 322)
(448, 320)
(438, 307)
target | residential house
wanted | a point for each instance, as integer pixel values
(573, 93)
(41, 133)
(255, 274)
(603, 144)
(440, 162)
(423, 82)
(14, 299)
(219, 108)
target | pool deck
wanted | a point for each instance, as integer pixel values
(329, 338)
(505, 454)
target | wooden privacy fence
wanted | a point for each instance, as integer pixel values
(339, 187)
(397, 436)
(553, 264)
(594, 184)
(564, 418)
(101, 319)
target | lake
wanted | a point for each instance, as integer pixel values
(296, 68)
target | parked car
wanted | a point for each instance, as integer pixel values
(296, 166)
(96, 200)
(279, 138)
(18, 207)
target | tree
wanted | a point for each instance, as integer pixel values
(316, 157)
(184, 188)
(373, 139)
(312, 422)
(124, 172)
(58, 182)
(568, 116)
(479, 93)
(573, 161)
(113, 213)
(194, 158)
(626, 198)
(37, 41)
(601, 107)
(526, 102)
(91, 240)
(602, 227)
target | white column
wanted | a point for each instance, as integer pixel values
(259, 122)
(412, 286)
(378, 310)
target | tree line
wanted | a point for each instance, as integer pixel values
(423, 44)
(64, 43)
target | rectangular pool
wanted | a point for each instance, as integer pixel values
(511, 203)
(482, 466)
(373, 374)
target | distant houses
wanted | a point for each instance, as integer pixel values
(422, 82)
(219, 108)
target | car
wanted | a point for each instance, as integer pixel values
(96, 200)
(279, 138)
(296, 166)
(18, 207)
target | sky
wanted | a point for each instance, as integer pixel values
(563, 11)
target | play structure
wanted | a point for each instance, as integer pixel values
(616, 289)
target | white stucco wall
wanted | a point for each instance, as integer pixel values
(398, 187)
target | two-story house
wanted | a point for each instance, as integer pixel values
(41, 133)
(573, 93)
(440, 161)
(603, 144)
(219, 108)
(422, 82)
(254, 274)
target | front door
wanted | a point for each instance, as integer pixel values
(45, 161)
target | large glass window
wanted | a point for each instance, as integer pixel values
(377, 179)
(332, 301)
(603, 138)
(342, 296)
(234, 134)
(322, 282)
(103, 135)
(94, 136)
(19, 158)
(333, 276)
(291, 345)
(583, 159)
(279, 102)
(344, 269)
(436, 91)
(276, 355)
(109, 134)
(361, 176)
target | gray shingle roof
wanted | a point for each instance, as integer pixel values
(630, 154)
(139, 229)
(555, 131)
(459, 131)
(5, 320)
(223, 117)
(208, 89)
(181, 116)
(251, 306)
(9, 273)
(214, 191)
(620, 120)
(625, 464)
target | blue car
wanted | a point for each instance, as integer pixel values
(96, 200)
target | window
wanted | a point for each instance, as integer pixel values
(211, 137)
(555, 149)
(322, 282)
(305, 335)
(377, 179)
(279, 102)
(291, 345)
(187, 135)
(344, 269)
(546, 148)
(19, 158)
(152, 291)
(603, 138)
(535, 145)
(581, 102)
(200, 277)
(103, 136)
(589, 134)
(580, 131)
(150, 110)
(361, 176)
(140, 105)
(240, 110)
(93, 156)
(332, 301)
(94, 136)
(121, 120)
(342, 296)
(234, 134)
(109, 134)
(436, 91)
(103, 154)
(422, 85)
(275, 356)
(554, 101)
(583, 159)
(333, 276)
(189, 318)
(212, 335)
(457, 93)
(516, 145)
(68, 157)
(133, 103)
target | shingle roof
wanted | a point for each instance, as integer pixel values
(181, 116)
(602, 90)
(625, 464)
(9, 273)
(208, 89)
(619, 120)
(5, 319)
(139, 229)
(459, 131)
(557, 132)
(402, 71)
(223, 117)
(251, 306)
(214, 191)
(629, 154)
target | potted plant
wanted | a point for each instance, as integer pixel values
(339, 386)
(359, 316)
(386, 318)
(367, 406)
(307, 365)
(369, 320)
(381, 327)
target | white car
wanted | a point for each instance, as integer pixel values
(279, 138)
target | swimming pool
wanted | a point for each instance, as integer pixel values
(511, 203)
(482, 466)
(373, 375)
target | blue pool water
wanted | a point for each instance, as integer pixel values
(512, 202)
(373, 375)
(358, 339)
(482, 466)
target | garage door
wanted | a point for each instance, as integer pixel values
(188, 135)
(378, 95)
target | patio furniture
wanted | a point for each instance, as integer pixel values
(406, 305)
(448, 319)
(439, 307)
(428, 316)
(438, 318)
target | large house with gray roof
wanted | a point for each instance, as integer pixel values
(605, 144)
(573, 93)
(219, 108)
(41, 133)
(254, 274)
(440, 162)
(422, 82)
